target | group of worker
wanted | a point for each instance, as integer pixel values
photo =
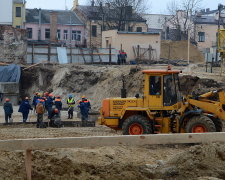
(122, 57)
(50, 104)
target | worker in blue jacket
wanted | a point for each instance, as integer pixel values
(58, 103)
(8, 110)
(84, 106)
(25, 108)
(49, 104)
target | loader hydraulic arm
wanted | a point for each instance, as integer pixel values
(213, 107)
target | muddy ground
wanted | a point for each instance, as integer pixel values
(119, 162)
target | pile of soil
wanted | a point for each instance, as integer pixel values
(177, 50)
(122, 163)
(198, 161)
(195, 85)
(98, 82)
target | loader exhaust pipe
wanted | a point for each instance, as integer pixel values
(123, 90)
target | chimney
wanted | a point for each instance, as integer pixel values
(53, 26)
(92, 3)
(75, 4)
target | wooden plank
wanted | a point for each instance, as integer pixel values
(28, 163)
(98, 141)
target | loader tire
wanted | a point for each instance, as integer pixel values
(218, 123)
(200, 124)
(136, 125)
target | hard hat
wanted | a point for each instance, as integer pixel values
(70, 95)
(51, 95)
(26, 98)
(46, 93)
(7, 99)
(56, 110)
(83, 96)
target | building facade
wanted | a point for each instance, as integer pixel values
(206, 29)
(130, 41)
(61, 26)
(103, 18)
(19, 13)
(6, 12)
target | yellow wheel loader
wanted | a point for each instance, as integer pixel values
(162, 109)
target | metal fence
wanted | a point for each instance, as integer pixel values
(37, 54)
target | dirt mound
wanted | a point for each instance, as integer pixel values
(98, 82)
(193, 84)
(119, 162)
(198, 161)
(177, 50)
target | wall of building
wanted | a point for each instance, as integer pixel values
(210, 35)
(128, 41)
(35, 30)
(19, 21)
(13, 45)
(6, 12)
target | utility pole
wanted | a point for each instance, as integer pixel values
(220, 7)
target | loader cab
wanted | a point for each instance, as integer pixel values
(162, 89)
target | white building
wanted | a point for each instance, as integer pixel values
(6, 8)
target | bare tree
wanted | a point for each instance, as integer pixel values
(119, 14)
(183, 14)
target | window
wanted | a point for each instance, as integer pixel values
(18, 27)
(94, 31)
(18, 11)
(47, 33)
(29, 33)
(139, 29)
(155, 85)
(58, 34)
(76, 35)
(65, 36)
(171, 89)
(201, 36)
(130, 29)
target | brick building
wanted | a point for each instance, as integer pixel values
(57, 26)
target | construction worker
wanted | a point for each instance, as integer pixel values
(35, 99)
(40, 112)
(8, 110)
(49, 104)
(123, 57)
(71, 104)
(25, 108)
(84, 106)
(55, 120)
(58, 103)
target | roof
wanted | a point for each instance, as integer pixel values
(206, 20)
(143, 33)
(156, 21)
(64, 16)
(94, 13)
(160, 71)
(19, 1)
(154, 30)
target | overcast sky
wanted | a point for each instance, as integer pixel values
(156, 6)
